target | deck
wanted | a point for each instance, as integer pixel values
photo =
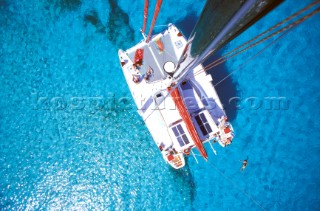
(155, 58)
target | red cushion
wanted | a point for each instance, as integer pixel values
(227, 130)
(170, 157)
(138, 56)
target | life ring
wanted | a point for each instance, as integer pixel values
(186, 151)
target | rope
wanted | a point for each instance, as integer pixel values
(225, 58)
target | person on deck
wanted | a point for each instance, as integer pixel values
(135, 78)
(148, 74)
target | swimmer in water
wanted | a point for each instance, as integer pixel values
(244, 164)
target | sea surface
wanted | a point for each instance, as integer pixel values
(71, 139)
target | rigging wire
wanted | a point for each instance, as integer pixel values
(270, 29)
(253, 57)
(226, 58)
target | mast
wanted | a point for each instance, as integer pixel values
(219, 23)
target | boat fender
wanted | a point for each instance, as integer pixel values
(186, 151)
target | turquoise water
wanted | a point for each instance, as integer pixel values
(71, 138)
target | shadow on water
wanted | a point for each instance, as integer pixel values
(117, 28)
(93, 18)
(186, 24)
(70, 4)
(3, 3)
(225, 87)
(185, 179)
(66, 4)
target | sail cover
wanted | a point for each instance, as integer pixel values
(220, 22)
(176, 97)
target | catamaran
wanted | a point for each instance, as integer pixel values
(179, 117)
(174, 95)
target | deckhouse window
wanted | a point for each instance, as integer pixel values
(180, 135)
(203, 124)
(159, 98)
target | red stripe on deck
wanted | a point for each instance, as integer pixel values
(175, 95)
